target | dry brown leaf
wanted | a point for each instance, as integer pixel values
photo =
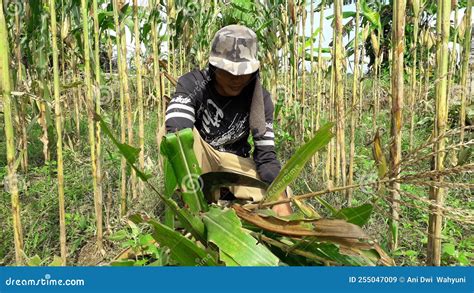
(351, 238)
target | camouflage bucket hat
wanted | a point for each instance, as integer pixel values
(234, 49)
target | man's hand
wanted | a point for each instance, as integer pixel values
(283, 209)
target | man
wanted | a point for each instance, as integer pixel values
(225, 104)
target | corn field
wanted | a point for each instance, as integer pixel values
(386, 88)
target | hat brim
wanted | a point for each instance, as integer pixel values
(235, 68)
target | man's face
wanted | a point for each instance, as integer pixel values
(230, 85)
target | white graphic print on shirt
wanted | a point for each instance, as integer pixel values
(235, 132)
(181, 100)
(212, 115)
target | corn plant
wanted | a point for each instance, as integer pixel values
(12, 179)
(58, 112)
(91, 123)
(398, 42)
(437, 194)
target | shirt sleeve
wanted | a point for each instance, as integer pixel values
(264, 154)
(181, 110)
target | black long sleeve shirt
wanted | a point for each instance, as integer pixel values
(223, 122)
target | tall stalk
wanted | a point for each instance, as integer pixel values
(90, 119)
(354, 108)
(331, 117)
(320, 70)
(414, 48)
(311, 104)
(99, 205)
(128, 107)
(12, 177)
(428, 43)
(156, 69)
(365, 33)
(141, 127)
(454, 51)
(123, 176)
(294, 66)
(59, 131)
(339, 94)
(21, 103)
(76, 98)
(375, 40)
(466, 51)
(398, 41)
(170, 18)
(303, 69)
(43, 123)
(437, 193)
(421, 69)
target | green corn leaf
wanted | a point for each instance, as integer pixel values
(122, 263)
(306, 209)
(236, 246)
(178, 149)
(191, 222)
(379, 156)
(170, 178)
(229, 261)
(57, 261)
(345, 14)
(184, 251)
(449, 249)
(35, 261)
(327, 205)
(332, 252)
(356, 215)
(311, 40)
(130, 153)
(372, 16)
(119, 235)
(295, 165)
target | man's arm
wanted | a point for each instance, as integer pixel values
(265, 157)
(181, 111)
(264, 154)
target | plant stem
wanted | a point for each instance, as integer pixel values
(12, 177)
(59, 131)
(437, 194)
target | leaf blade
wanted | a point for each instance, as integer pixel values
(183, 251)
(225, 230)
(295, 165)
